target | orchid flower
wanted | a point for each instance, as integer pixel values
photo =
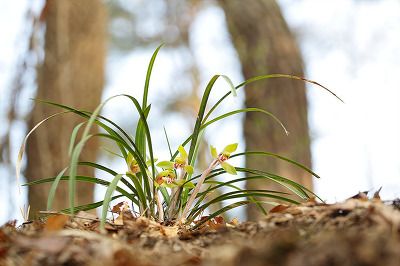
(224, 156)
(180, 162)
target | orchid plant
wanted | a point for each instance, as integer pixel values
(172, 190)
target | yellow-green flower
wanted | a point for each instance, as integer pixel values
(180, 162)
(165, 177)
(223, 156)
(133, 166)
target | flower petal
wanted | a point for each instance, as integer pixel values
(230, 148)
(183, 152)
(214, 152)
(129, 159)
(166, 165)
(148, 162)
(228, 168)
(189, 169)
(184, 183)
(189, 185)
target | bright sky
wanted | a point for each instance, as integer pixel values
(350, 46)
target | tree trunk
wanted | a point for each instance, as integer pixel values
(265, 45)
(72, 74)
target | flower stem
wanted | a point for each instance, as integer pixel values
(175, 195)
(196, 190)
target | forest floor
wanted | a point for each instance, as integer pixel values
(358, 231)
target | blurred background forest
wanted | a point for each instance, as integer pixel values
(80, 52)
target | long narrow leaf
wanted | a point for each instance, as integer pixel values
(148, 75)
(53, 189)
(240, 194)
(22, 148)
(263, 77)
(87, 179)
(270, 154)
(89, 206)
(140, 137)
(111, 172)
(73, 137)
(244, 110)
(73, 169)
(107, 199)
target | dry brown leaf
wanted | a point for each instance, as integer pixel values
(376, 194)
(117, 208)
(56, 222)
(360, 196)
(279, 208)
(234, 222)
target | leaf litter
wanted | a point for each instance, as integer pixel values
(358, 231)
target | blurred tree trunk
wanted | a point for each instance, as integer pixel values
(265, 45)
(72, 74)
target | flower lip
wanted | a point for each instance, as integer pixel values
(167, 176)
(223, 156)
(134, 167)
(179, 162)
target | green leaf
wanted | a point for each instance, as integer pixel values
(140, 137)
(182, 152)
(196, 131)
(52, 191)
(229, 81)
(214, 152)
(111, 172)
(264, 77)
(244, 110)
(167, 139)
(189, 169)
(88, 179)
(89, 206)
(280, 157)
(112, 153)
(107, 199)
(148, 75)
(73, 167)
(166, 165)
(228, 168)
(22, 148)
(73, 138)
(230, 148)
(148, 162)
(240, 194)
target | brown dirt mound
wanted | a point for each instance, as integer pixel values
(355, 232)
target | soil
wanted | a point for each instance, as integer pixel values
(358, 231)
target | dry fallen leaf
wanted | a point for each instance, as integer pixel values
(56, 222)
(234, 222)
(361, 196)
(117, 208)
(279, 208)
(376, 194)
